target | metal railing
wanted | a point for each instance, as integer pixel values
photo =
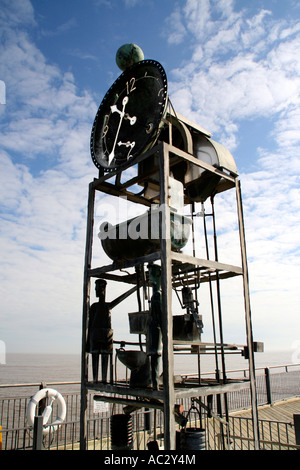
(272, 385)
(274, 435)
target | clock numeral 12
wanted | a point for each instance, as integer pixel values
(130, 85)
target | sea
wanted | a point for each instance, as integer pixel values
(60, 368)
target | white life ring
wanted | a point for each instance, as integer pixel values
(53, 395)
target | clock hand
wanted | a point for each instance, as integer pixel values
(132, 120)
(127, 144)
(114, 109)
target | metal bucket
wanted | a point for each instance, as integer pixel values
(185, 328)
(138, 322)
(121, 433)
(193, 439)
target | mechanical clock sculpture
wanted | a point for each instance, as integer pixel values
(129, 117)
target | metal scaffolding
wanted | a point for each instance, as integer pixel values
(159, 161)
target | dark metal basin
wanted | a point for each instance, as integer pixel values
(132, 359)
(141, 235)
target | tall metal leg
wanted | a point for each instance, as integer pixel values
(219, 316)
(248, 315)
(167, 321)
(211, 295)
(85, 311)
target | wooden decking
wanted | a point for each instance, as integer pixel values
(276, 426)
(282, 411)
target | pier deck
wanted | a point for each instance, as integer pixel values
(275, 426)
(281, 411)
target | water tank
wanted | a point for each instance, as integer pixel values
(200, 183)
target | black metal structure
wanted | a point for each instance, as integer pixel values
(175, 156)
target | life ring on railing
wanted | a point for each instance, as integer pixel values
(52, 395)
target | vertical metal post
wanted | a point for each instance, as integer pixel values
(297, 428)
(147, 420)
(268, 386)
(211, 295)
(248, 315)
(85, 312)
(219, 401)
(167, 319)
(38, 433)
(42, 403)
(218, 294)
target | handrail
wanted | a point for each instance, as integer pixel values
(246, 370)
(37, 384)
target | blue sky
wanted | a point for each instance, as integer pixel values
(233, 67)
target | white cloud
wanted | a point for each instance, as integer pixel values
(45, 171)
(260, 77)
(62, 28)
(44, 202)
(178, 31)
(131, 3)
(197, 15)
(14, 13)
(243, 68)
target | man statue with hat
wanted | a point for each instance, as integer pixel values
(154, 331)
(100, 333)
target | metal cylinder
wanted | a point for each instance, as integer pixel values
(193, 439)
(121, 432)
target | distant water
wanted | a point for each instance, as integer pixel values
(188, 364)
(34, 368)
(37, 368)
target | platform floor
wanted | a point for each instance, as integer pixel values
(276, 426)
(275, 422)
(282, 411)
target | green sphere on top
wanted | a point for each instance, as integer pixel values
(127, 55)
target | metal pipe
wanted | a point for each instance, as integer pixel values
(220, 323)
(218, 292)
(247, 314)
(211, 294)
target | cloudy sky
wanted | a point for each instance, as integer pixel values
(233, 67)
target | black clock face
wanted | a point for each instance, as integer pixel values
(129, 116)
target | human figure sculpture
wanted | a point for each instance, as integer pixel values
(100, 333)
(155, 324)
